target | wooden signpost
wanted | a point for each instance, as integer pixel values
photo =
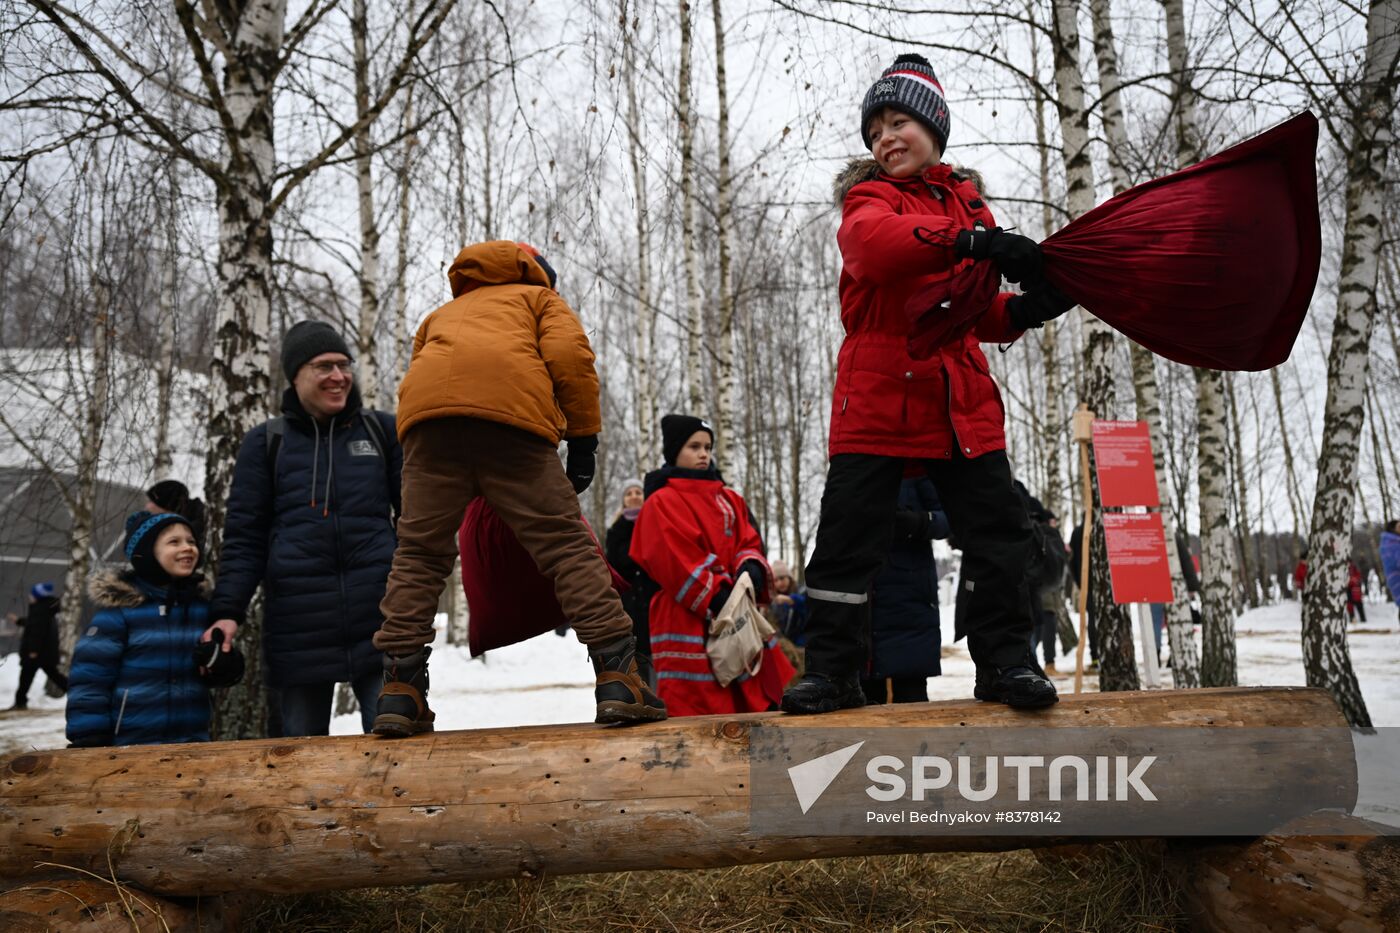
(1136, 542)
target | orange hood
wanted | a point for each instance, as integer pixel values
(498, 262)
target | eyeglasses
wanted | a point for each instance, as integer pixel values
(322, 370)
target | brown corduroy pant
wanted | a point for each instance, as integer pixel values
(448, 462)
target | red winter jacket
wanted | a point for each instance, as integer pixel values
(886, 402)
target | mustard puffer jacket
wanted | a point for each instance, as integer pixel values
(506, 348)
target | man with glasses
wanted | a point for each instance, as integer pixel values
(311, 518)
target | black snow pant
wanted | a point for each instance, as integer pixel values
(31, 666)
(989, 523)
(880, 690)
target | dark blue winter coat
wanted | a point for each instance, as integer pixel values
(133, 680)
(904, 623)
(315, 528)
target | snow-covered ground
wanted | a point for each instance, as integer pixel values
(549, 679)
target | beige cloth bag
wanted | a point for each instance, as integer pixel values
(737, 635)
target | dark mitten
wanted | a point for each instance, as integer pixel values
(1043, 303)
(581, 462)
(910, 525)
(215, 667)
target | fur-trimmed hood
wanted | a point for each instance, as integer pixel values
(118, 589)
(863, 168)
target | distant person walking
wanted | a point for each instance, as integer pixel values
(1390, 558)
(38, 646)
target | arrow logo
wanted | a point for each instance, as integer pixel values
(811, 778)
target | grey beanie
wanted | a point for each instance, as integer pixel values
(910, 86)
(307, 340)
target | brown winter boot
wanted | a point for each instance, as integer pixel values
(403, 700)
(622, 695)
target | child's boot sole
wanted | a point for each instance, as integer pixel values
(394, 726)
(613, 712)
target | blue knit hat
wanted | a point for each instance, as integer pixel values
(142, 530)
(41, 590)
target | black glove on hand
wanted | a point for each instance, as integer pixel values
(581, 464)
(910, 525)
(1017, 257)
(721, 597)
(756, 574)
(1043, 303)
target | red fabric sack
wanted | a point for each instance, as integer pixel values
(1210, 266)
(508, 599)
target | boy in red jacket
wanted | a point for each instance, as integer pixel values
(908, 221)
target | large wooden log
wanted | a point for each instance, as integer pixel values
(1336, 874)
(316, 814)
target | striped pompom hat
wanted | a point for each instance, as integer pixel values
(911, 86)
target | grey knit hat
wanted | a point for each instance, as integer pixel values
(910, 86)
(307, 340)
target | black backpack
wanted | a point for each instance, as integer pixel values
(1046, 567)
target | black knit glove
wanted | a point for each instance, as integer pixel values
(1017, 257)
(1043, 303)
(581, 463)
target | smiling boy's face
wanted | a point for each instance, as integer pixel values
(900, 144)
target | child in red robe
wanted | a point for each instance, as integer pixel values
(694, 537)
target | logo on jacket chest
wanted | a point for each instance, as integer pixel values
(363, 449)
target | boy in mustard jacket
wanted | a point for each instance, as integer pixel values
(499, 376)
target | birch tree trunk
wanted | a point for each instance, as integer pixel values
(1218, 666)
(83, 501)
(694, 361)
(725, 217)
(648, 448)
(1245, 536)
(1326, 657)
(402, 347)
(1117, 663)
(240, 380)
(1295, 494)
(1217, 573)
(1052, 428)
(165, 331)
(365, 343)
(1180, 628)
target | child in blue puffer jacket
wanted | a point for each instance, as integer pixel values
(134, 679)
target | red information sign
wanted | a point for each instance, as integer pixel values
(1137, 557)
(1123, 463)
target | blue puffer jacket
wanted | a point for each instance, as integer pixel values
(133, 680)
(904, 622)
(320, 539)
